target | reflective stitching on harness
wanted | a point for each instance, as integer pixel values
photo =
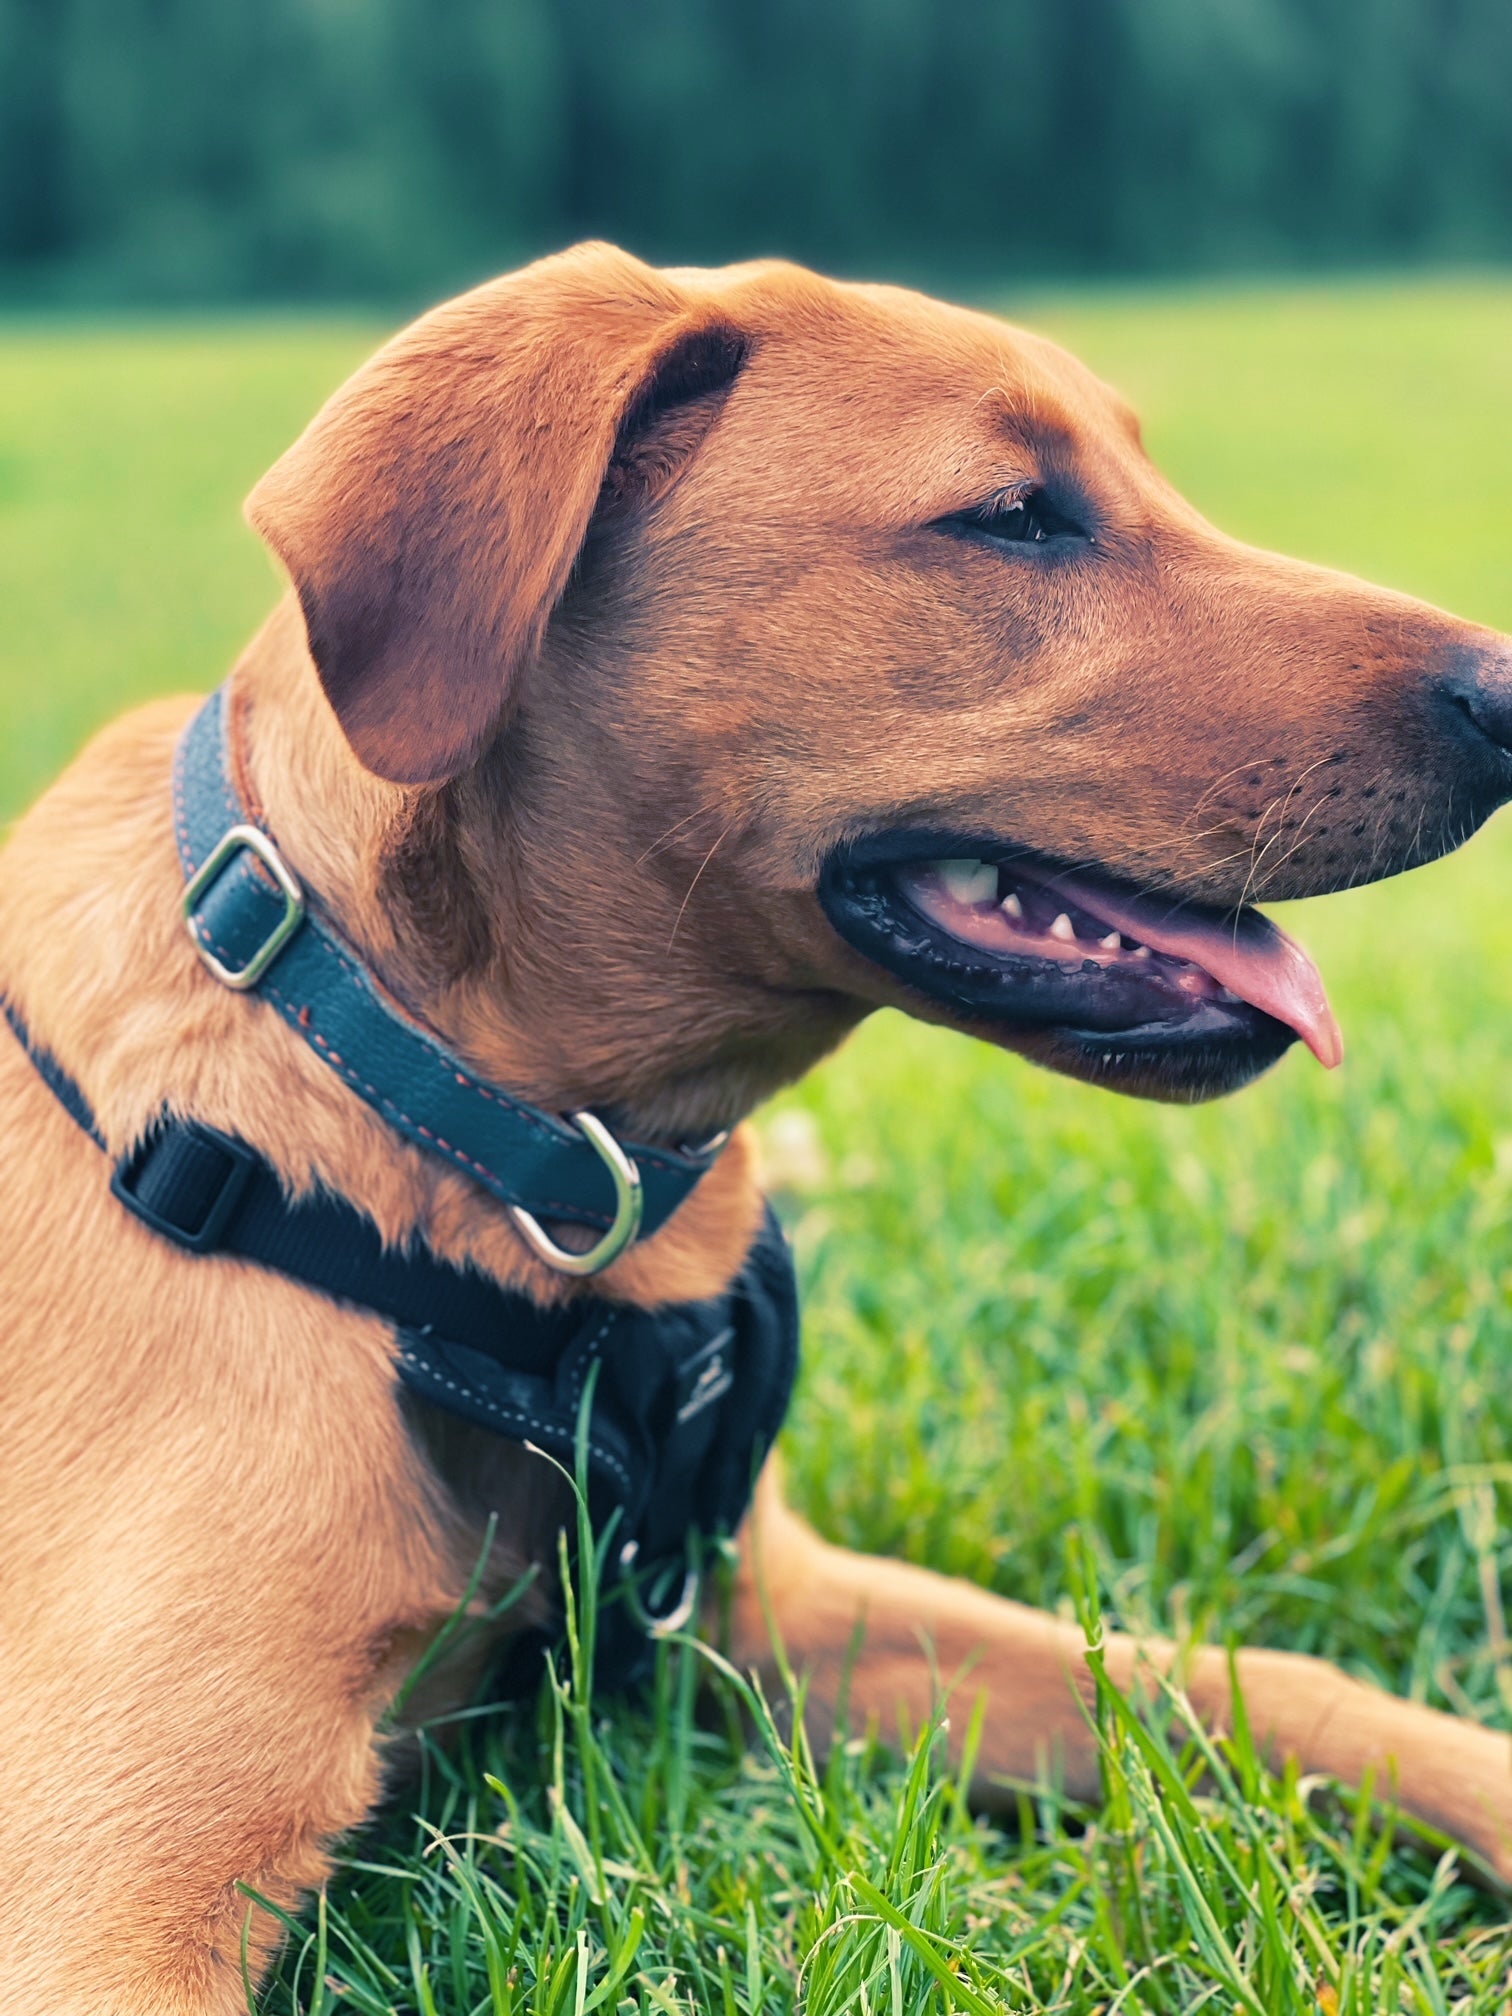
(590, 1351)
(504, 1410)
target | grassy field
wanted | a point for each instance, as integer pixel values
(1240, 1371)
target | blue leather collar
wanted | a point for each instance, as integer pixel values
(254, 932)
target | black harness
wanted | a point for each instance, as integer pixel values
(685, 1400)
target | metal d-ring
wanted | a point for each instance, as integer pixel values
(665, 1623)
(629, 1206)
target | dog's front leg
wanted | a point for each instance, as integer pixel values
(204, 1619)
(150, 1785)
(886, 1639)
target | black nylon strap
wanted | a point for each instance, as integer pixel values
(54, 1077)
(208, 1192)
(686, 1402)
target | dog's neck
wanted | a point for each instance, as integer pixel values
(462, 900)
(439, 899)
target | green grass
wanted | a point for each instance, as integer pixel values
(1240, 1371)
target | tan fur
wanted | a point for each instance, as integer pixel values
(622, 586)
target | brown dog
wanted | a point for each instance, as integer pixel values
(680, 665)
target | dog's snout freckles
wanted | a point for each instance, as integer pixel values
(1375, 738)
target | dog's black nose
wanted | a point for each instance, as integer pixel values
(1478, 685)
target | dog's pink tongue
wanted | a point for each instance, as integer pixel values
(1256, 960)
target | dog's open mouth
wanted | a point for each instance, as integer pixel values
(1148, 993)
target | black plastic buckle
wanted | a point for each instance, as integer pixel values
(182, 1138)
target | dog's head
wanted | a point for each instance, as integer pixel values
(756, 650)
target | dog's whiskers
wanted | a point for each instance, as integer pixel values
(682, 907)
(1258, 853)
(1301, 832)
(688, 819)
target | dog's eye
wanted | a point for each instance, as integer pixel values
(1027, 518)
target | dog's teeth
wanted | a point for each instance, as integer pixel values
(1111, 943)
(1062, 928)
(1011, 904)
(969, 881)
(1141, 951)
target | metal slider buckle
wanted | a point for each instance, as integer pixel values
(629, 1207)
(252, 840)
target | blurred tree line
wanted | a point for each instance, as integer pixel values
(156, 149)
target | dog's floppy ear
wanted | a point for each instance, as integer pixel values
(430, 515)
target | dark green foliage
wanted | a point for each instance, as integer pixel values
(396, 148)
